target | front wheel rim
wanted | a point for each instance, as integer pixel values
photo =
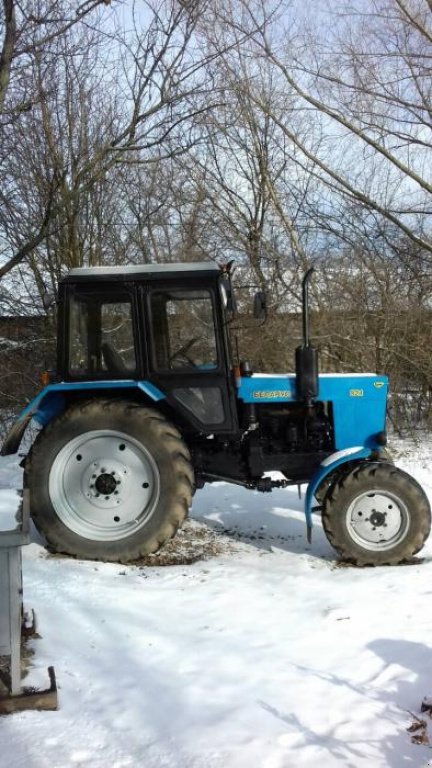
(104, 485)
(378, 520)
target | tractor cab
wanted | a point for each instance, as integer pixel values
(165, 325)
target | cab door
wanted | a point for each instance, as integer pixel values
(188, 355)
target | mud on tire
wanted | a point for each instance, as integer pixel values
(109, 480)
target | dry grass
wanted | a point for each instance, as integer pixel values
(192, 543)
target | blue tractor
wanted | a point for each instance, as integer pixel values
(146, 406)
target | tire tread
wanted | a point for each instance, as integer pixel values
(420, 518)
(179, 459)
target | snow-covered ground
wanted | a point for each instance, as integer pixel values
(264, 653)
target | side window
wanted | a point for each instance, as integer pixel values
(184, 330)
(78, 337)
(117, 341)
(101, 340)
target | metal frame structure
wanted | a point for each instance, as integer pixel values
(13, 697)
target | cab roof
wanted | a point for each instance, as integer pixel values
(142, 271)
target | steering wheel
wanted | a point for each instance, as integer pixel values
(182, 351)
(113, 359)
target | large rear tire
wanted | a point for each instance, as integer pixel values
(377, 515)
(109, 480)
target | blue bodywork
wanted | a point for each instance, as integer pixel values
(50, 401)
(358, 403)
(359, 412)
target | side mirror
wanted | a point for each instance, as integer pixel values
(260, 306)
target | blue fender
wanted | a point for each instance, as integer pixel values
(51, 401)
(328, 465)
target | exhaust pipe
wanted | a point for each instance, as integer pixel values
(306, 356)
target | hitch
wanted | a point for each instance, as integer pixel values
(266, 484)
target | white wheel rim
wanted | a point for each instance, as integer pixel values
(104, 485)
(377, 520)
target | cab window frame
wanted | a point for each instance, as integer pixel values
(110, 294)
(184, 370)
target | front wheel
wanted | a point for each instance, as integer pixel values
(377, 515)
(109, 480)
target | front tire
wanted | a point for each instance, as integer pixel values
(377, 515)
(109, 480)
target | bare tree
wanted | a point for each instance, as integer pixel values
(30, 26)
(105, 100)
(363, 82)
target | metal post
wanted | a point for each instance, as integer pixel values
(11, 607)
(10, 613)
(16, 611)
(17, 534)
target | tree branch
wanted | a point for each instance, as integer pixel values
(7, 52)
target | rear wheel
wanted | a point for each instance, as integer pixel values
(109, 480)
(377, 515)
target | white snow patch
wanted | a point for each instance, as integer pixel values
(267, 655)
